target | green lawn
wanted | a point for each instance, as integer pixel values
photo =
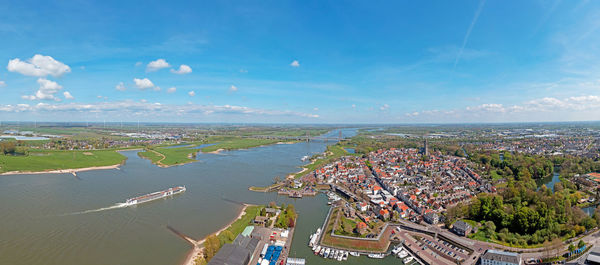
(53, 160)
(238, 226)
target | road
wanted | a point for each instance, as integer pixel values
(479, 247)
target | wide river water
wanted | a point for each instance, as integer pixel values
(62, 219)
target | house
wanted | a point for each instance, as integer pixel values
(496, 257)
(297, 184)
(260, 220)
(384, 214)
(271, 211)
(361, 228)
(363, 206)
(431, 217)
(402, 209)
(461, 228)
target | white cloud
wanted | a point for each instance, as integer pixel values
(233, 88)
(154, 110)
(157, 65)
(143, 83)
(68, 95)
(384, 107)
(466, 38)
(120, 86)
(192, 93)
(295, 63)
(575, 108)
(2, 83)
(243, 71)
(39, 65)
(354, 106)
(183, 69)
(171, 90)
(46, 91)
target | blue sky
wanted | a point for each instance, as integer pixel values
(300, 61)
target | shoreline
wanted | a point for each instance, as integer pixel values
(197, 250)
(304, 169)
(62, 171)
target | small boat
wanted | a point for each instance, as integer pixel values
(304, 158)
(345, 256)
(322, 252)
(376, 256)
(396, 250)
(317, 250)
(402, 254)
(407, 260)
(327, 251)
(354, 253)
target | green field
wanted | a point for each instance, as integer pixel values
(184, 154)
(168, 156)
(37, 161)
(152, 156)
(233, 143)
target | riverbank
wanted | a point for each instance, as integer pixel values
(198, 245)
(73, 171)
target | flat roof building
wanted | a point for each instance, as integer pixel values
(496, 257)
(594, 256)
(237, 253)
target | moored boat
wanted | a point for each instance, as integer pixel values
(376, 256)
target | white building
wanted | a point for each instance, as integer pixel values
(496, 257)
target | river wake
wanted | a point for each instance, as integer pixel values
(116, 206)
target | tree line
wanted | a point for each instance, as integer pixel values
(520, 215)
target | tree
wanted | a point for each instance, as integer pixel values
(228, 236)
(211, 246)
(572, 247)
(200, 260)
(490, 227)
(580, 244)
(556, 246)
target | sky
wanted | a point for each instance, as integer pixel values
(300, 61)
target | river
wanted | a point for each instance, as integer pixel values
(46, 218)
